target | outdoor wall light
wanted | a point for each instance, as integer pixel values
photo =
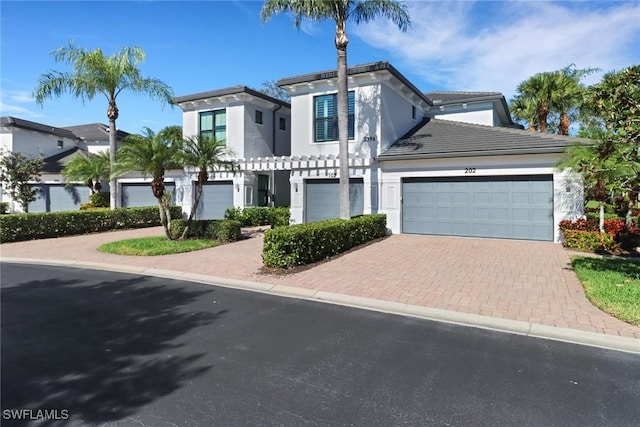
(295, 187)
(237, 187)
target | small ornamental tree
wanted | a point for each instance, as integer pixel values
(18, 172)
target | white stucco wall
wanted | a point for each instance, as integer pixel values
(480, 114)
(396, 117)
(35, 144)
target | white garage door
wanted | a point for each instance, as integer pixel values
(139, 194)
(514, 207)
(322, 198)
(217, 197)
(59, 197)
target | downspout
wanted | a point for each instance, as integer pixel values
(273, 151)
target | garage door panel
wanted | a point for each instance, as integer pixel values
(140, 194)
(217, 197)
(322, 199)
(519, 207)
(59, 197)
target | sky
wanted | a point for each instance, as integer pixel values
(198, 46)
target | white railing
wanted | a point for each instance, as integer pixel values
(330, 161)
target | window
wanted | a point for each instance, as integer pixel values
(283, 123)
(60, 144)
(325, 113)
(414, 113)
(259, 117)
(214, 124)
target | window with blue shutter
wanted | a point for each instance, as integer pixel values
(325, 112)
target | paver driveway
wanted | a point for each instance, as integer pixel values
(519, 280)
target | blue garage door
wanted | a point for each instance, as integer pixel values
(217, 197)
(59, 197)
(139, 194)
(514, 207)
(322, 198)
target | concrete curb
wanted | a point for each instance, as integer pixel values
(573, 336)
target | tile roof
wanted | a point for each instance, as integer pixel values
(55, 163)
(38, 127)
(229, 91)
(356, 69)
(93, 131)
(437, 138)
(445, 97)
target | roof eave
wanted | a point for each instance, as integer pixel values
(487, 153)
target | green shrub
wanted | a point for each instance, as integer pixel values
(252, 217)
(303, 244)
(4, 207)
(222, 230)
(100, 200)
(18, 227)
(590, 241)
(596, 216)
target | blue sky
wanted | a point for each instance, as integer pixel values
(197, 46)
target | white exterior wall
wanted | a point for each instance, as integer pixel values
(395, 111)
(480, 114)
(567, 198)
(34, 144)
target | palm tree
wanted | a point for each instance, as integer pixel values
(152, 154)
(88, 168)
(538, 90)
(569, 95)
(524, 109)
(93, 73)
(340, 11)
(205, 153)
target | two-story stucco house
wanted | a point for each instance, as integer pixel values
(57, 145)
(254, 127)
(448, 163)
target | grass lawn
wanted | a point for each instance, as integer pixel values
(612, 285)
(155, 245)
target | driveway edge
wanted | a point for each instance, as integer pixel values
(574, 336)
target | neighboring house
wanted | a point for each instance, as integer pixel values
(57, 146)
(446, 163)
(254, 127)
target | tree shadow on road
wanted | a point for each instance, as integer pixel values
(101, 349)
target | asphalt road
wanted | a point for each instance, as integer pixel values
(106, 348)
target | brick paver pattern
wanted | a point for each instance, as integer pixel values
(519, 280)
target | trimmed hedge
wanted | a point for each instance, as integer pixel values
(590, 241)
(223, 230)
(252, 217)
(19, 227)
(303, 244)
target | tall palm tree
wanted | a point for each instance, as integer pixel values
(94, 73)
(524, 109)
(569, 94)
(340, 11)
(539, 90)
(205, 153)
(88, 168)
(152, 154)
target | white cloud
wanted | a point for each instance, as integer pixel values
(491, 46)
(9, 100)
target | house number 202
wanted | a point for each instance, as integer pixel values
(469, 170)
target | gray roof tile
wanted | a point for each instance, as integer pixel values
(39, 127)
(437, 138)
(229, 91)
(92, 131)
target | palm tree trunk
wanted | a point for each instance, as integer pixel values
(564, 123)
(112, 114)
(165, 218)
(194, 207)
(343, 122)
(543, 112)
